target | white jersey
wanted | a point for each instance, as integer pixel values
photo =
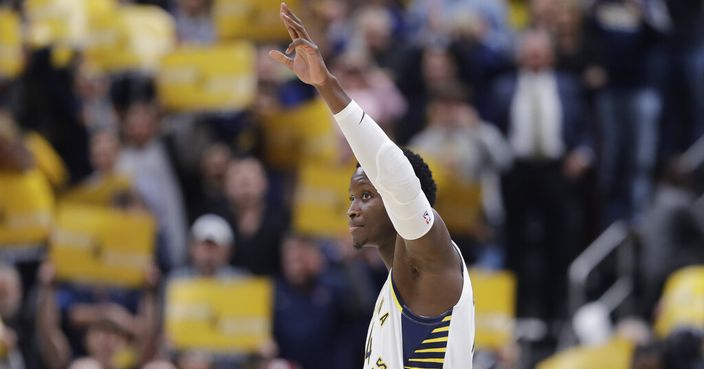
(444, 342)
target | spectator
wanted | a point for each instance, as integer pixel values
(93, 89)
(374, 36)
(145, 157)
(575, 49)
(213, 168)
(478, 64)
(331, 19)
(628, 107)
(433, 20)
(106, 186)
(540, 111)
(425, 70)
(209, 184)
(113, 326)
(45, 101)
(212, 245)
(194, 21)
(471, 154)
(685, 50)
(672, 234)
(359, 274)
(26, 208)
(307, 307)
(258, 226)
(371, 87)
(543, 14)
(107, 345)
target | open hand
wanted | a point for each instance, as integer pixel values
(307, 62)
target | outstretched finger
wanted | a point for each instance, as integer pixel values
(299, 42)
(296, 27)
(290, 13)
(291, 32)
(295, 20)
(281, 58)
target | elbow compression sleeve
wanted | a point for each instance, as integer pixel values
(389, 171)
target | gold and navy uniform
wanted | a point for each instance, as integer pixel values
(397, 338)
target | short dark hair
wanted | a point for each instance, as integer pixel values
(424, 174)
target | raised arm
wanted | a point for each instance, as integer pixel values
(386, 166)
(55, 351)
(384, 163)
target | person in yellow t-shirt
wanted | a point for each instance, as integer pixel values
(25, 216)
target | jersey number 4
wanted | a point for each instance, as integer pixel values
(368, 346)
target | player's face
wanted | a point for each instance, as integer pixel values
(368, 220)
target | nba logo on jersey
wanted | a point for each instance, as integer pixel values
(426, 217)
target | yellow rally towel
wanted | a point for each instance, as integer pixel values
(614, 354)
(219, 315)
(202, 78)
(10, 44)
(98, 245)
(256, 20)
(321, 199)
(26, 209)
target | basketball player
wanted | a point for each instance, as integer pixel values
(424, 316)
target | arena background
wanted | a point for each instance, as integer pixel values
(170, 197)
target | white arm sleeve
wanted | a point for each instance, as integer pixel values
(389, 171)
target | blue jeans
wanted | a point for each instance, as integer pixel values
(629, 131)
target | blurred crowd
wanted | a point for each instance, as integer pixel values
(545, 121)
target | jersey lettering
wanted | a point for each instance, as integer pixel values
(368, 350)
(383, 319)
(380, 364)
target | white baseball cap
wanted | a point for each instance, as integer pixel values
(213, 228)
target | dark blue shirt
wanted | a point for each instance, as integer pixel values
(68, 296)
(306, 322)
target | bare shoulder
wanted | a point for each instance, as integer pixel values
(422, 266)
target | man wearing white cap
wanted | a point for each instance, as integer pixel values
(212, 242)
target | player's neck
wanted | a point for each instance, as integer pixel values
(387, 250)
